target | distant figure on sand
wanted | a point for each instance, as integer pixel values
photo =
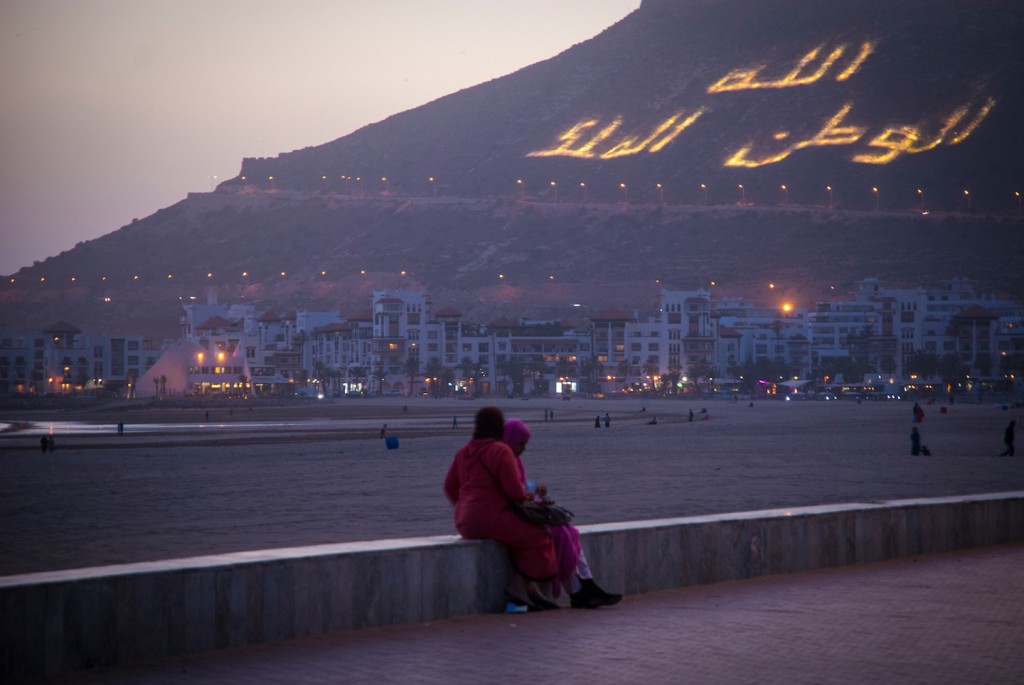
(597, 421)
(918, 413)
(691, 415)
(455, 422)
(1008, 440)
(915, 442)
(653, 421)
(607, 420)
(383, 431)
(43, 444)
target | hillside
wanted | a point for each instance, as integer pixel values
(834, 142)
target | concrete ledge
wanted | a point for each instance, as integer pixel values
(65, 621)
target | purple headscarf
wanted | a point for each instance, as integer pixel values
(516, 433)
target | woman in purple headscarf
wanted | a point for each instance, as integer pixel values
(573, 571)
(483, 478)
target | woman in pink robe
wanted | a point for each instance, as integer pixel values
(482, 479)
(573, 570)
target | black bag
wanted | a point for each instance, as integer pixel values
(540, 514)
(536, 513)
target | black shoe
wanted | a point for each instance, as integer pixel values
(591, 596)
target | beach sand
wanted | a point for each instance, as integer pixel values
(318, 473)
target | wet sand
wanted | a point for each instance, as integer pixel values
(320, 474)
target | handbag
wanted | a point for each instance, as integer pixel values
(535, 513)
(540, 514)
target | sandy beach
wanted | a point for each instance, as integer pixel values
(308, 473)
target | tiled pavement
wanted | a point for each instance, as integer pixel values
(952, 618)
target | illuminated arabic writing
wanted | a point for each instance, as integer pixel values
(592, 139)
(896, 140)
(576, 143)
(804, 73)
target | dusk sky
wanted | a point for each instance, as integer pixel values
(113, 109)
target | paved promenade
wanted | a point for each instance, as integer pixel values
(953, 618)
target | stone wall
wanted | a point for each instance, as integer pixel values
(65, 621)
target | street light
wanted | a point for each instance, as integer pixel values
(554, 186)
(743, 192)
(785, 194)
(521, 188)
(387, 185)
(704, 187)
(967, 195)
(874, 190)
(829, 189)
(1016, 194)
(625, 193)
(661, 193)
(583, 191)
(433, 186)
(921, 195)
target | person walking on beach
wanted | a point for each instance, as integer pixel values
(43, 444)
(383, 431)
(597, 421)
(455, 422)
(1008, 440)
(607, 420)
(915, 442)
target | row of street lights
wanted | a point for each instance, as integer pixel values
(139, 278)
(624, 191)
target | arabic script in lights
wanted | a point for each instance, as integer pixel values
(876, 144)
(895, 140)
(583, 142)
(808, 70)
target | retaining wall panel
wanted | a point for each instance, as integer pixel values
(200, 610)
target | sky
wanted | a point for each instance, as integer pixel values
(113, 109)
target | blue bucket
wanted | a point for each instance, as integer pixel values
(391, 442)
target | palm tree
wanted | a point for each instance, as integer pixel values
(468, 370)
(624, 370)
(433, 372)
(412, 370)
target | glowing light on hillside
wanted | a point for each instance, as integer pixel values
(787, 307)
(578, 141)
(804, 73)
